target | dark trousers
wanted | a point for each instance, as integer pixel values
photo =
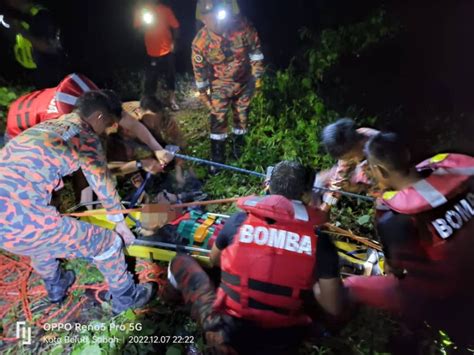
(240, 335)
(157, 67)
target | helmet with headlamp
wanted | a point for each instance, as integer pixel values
(217, 7)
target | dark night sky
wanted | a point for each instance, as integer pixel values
(428, 68)
(99, 35)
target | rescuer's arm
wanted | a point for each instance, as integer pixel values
(94, 167)
(400, 242)
(123, 168)
(175, 32)
(174, 26)
(144, 135)
(201, 74)
(226, 236)
(338, 176)
(255, 54)
(329, 290)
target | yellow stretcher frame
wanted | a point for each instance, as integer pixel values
(159, 254)
(140, 251)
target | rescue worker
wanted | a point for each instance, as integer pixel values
(228, 66)
(233, 4)
(272, 264)
(150, 112)
(32, 166)
(52, 103)
(345, 142)
(427, 238)
(161, 29)
(36, 38)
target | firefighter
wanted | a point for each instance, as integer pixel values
(150, 112)
(272, 263)
(427, 237)
(51, 103)
(37, 43)
(228, 66)
(345, 142)
(32, 166)
(161, 29)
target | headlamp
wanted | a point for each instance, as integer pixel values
(221, 14)
(148, 17)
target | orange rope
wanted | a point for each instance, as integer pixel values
(17, 291)
(348, 234)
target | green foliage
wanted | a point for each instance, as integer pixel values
(332, 44)
(7, 96)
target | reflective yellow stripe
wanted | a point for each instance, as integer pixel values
(23, 52)
(438, 158)
(389, 195)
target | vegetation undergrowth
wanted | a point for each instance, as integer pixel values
(286, 120)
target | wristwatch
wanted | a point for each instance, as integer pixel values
(329, 199)
(139, 164)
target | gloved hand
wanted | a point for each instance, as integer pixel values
(206, 100)
(152, 166)
(163, 156)
(122, 229)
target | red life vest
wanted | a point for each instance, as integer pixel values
(442, 205)
(46, 104)
(269, 267)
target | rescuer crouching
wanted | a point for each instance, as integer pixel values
(426, 229)
(272, 265)
(30, 226)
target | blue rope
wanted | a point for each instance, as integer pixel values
(349, 194)
(254, 173)
(136, 195)
(219, 165)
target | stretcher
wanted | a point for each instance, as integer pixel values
(196, 231)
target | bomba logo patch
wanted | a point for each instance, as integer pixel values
(455, 218)
(198, 58)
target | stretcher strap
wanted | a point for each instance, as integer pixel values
(202, 230)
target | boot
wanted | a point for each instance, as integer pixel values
(134, 296)
(58, 286)
(217, 154)
(238, 142)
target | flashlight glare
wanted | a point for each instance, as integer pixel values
(148, 18)
(221, 15)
